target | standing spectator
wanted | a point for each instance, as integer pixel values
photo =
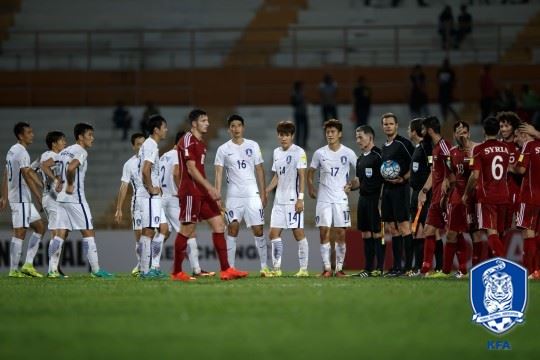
(298, 101)
(362, 102)
(447, 79)
(464, 25)
(122, 119)
(487, 92)
(150, 110)
(446, 27)
(418, 100)
(328, 91)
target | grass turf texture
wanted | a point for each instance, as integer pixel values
(253, 318)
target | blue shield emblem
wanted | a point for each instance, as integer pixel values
(249, 152)
(343, 160)
(498, 291)
(369, 172)
(288, 159)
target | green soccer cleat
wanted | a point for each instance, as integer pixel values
(302, 273)
(55, 275)
(136, 272)
(277, 273)
(376, 273)
(17, 274)
(153, 274)
(265, 272)
(102, 274)
(28, 269)
(437, 275)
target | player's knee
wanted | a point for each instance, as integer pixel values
(233, 228)
(299, 234)
(257, 231)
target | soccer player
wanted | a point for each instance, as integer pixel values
(19, 183)
(130, 175)
(489, 175)
(333, 162)
(395, 205)
(170, 178)
(246, 197)
(369, 182)
(198, 200)
(73, 212)
(289, 167)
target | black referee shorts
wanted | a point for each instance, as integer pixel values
(396, 200)
(414, 206)
(368, 216)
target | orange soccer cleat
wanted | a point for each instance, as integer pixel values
(181, 276)
(232, 274)
(326, 274)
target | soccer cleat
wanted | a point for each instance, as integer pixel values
(340, 273)
(535, 275)
(393, 273)
(266, 272)
(376, 273)
(152, 274)
(326, 274)
(136, 272)
(17, 274)
(232, 274)
(102, 274)
(414, 273)
(55, 275)
(277, 273)
(438, 274)
(28, 269)
(362, 274)
(204, 273)
(302, 273)
(460, 275)
(182, 276)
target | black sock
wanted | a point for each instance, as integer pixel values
(439, 249)
(397, 251)
(409, 251)
(418, 253)
(380, 250)
(369, 253)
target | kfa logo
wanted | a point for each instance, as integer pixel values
(498, 291)
(249, 152)
(343, 160)
(157, 219)
(288, 159)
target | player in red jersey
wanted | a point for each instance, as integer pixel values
(198, 199)
(439, 171)
(489, 166)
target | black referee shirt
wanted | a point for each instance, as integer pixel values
(368, 171)
(420, 167)
(400, 150)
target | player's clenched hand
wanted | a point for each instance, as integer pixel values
(3, 203)
(464, 199)
(398, 180)
(214, 194)
(347, 188)
(57, 185)
(264, 199)
(118, 216)
(312, 193)
(69, 189)
(299, 206)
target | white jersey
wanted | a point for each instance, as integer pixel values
(73, 152)
(149, 152)
(48, 187)
(286, 164)
(17, 159)
(130, 174)
(239, 162)
(333, 169)
(166, 166)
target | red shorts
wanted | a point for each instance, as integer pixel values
(436, 216)
(491, 216)
(457, 218)
(527, 216)
(194, 209)
(513, 208)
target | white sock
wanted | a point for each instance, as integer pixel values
(231, 249)
(260, 243)
(157, 247)
(146, 255)
(89, 245)
(15, 251)
(341, 249)
(303, 253)
(138, 249)
(54, 251)
(33, 246)
(193, 255)
(277, 251)
(325, 254)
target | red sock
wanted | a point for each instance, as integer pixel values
(449, 252)
(462, 253)
(496, 245)
(221, 249)
(429, 250)
(478, 248)
(180, 245)
(529, 254)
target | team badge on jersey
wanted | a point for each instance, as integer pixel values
(343, 160)
(415, 166)
(369, 172)
(249, 152)
(498, 293)
(288, 159)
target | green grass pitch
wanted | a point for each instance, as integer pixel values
(253, 318)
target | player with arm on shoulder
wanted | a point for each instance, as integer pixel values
(289, 166)
(333, 162)
(246, 199)
(19, 183)
(198, 200)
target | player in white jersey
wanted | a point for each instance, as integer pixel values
(73, 212)
(242, 160)
(148, 199)
(19, 182)
(130, 175)
(333, 162)
(289, 167)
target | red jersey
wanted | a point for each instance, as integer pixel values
(459, 164)
(514, 180)
(191, 148)
(491, 159)
(530, 160)
(439, 168)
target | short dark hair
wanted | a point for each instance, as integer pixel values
(81, 129)
(510, 117)
(387, 115)
(286, 127)
(155, 121)
(179, 136)
(195, 114)
(52, 137)
(135, 137)
(19, 127)
(491, 126)
(416, 126)
(235, 117)
(366, 129)
(462, 124)
(433, 123)
(333, 123)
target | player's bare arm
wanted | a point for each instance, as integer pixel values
(299, 206)
(272, 185)
(425, 189)
(471, 183)
(3, 197)
(30, 177)
(120, 201)
(529, 129)
(197, 176)
(261, 182)
(354, 184)
(311, 187)
(147, 178)
(70, 175)
(218, 180)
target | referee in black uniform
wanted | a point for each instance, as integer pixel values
(396, 193)
(369, 181)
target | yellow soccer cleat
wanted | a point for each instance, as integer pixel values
(302, 273)
(16, 274)
(266, 272)
(277, 273)
(28, 269)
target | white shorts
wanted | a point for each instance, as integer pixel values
(284, 216)
(50, 207)
(171, 212)
(151, 211)
(250, 209)
(23, 214)
(73, 216)
(330, 214)
(136, 221)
